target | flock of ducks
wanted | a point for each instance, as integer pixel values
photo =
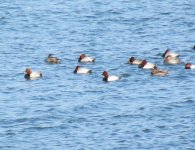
(169, 58)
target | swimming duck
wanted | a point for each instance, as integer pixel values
(169, 53)
(156, 72)
(52, 59)
(171, 60)
(29, 74)
(81, 70)
(189, 66)
(193, 47)
(134, 61)
(83, 58)
(109, 78)
(146, 65)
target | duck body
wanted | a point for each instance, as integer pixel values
(172, 60)
(81, 70)
(169, 53)
(51, 59)
(189, 66)
(146, 65)
(134, 61)
(30, 75)
(149, 66)
(84, 59)
(109, 78)
(156, 72)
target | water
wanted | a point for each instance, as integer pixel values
(67, 111)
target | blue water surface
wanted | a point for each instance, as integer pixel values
(65, 111)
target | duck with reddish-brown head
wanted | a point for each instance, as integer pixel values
(146, 65)
(108, 78)
(189, 66)
(84, 58)
(31, 75)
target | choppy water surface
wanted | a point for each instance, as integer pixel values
(67, 111)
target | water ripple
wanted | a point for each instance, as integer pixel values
(63, 110)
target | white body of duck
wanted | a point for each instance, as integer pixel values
(134, 61)
(81, 70)
(172, 60)
(156, 72)
(169, 53)
(29, 74)
(51, 59)
(146, 65)
(189, 66)
(109, 78)
(84, 59)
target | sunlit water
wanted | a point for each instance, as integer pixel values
(65, 111)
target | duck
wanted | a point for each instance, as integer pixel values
(146, 65)
(134, 61)
(193, 47)
(156, 72)
(109, 78)
(51, 59)
(84, 58)
(81, 70)
(189, 66)
(171, 60)
(169, 53)
(29, 74)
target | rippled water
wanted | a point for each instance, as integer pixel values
(67, 111)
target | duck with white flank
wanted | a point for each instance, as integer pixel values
(189, 66)
(169, 53)
(172, 60)
(109, 78)
(51, 59)
(81, 70)
(31, 75)
(146, 65)
(156, 72)
(84, 58)
(134, 61)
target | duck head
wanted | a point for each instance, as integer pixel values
(50, 55)
(131, 59)
(28, 71)
(143, 63)
(187, 65)
(105, 74)
(155, 70)
(81, 57)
